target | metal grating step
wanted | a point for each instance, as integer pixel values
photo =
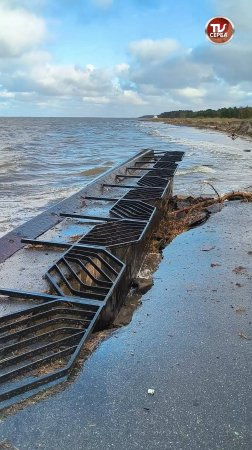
(162, 173)
(165, 156)
(165, 165)
(40, 344)
(144, 194)
(172, 156)
(117, 233)
(132, 209)
(148, 181)
(86, 272)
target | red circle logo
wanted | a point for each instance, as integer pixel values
(219, 30)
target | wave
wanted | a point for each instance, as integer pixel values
(157, 133)
(195, 169)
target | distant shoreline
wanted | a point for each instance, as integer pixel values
(238, 127)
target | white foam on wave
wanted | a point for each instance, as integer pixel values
(196, 139)
(195, 169)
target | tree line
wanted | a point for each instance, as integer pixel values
(242, 112)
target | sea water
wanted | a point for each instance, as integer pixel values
(44, 160)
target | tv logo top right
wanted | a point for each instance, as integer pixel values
(219, 30)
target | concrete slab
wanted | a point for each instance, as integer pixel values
(190, 341)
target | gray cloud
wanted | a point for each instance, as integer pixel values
(240, 12)
(231, 62)
(150, 50)
(176, 73)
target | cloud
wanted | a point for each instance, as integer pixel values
(164, 69)
(131, 97)
(180, 73)
(29, 74)
(232, 63)
(152, 66)
(240, 12)
(5, 94)
(153, 50)
(157, 74)
(122, 68)
(103, 100)
(19, 30)
(64, 80)
(191, 93)
(37, 78)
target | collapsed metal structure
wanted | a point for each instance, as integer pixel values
(89, 281)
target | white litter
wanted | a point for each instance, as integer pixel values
(151, 391)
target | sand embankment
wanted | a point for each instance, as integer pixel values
(240, 127)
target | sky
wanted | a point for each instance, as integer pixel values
(121, 58)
